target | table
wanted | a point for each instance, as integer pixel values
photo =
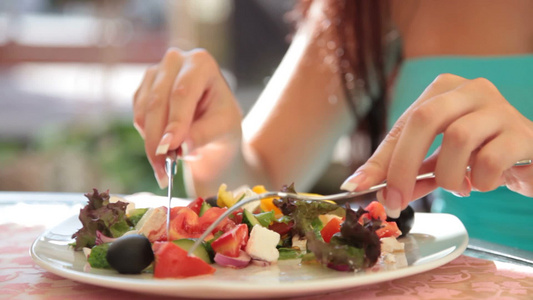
(478, 273)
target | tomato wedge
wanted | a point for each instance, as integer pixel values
(236, 216)
(231, 242)
(184, 224)
(196, 205)
(211, 215)
(388, 229)
(174, 211)
(332, 227)
(171, 261)
(376, 211)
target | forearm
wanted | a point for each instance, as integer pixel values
(301, 114)
(291, 131)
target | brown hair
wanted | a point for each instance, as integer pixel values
(362, 30)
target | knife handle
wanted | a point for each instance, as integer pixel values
(170, 163)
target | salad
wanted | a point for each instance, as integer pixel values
(116, 235)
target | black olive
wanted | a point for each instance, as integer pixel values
(212, 201)
(130, 254)
(405, 220)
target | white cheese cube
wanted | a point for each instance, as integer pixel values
(86, 251)
(300, 243)
(153, 223)
(262, 244)
(391, 244)
(389, 258)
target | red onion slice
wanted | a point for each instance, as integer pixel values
(238, 262)
(342, 268)
(261, 263)
(101, 238)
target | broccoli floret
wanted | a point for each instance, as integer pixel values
(97, 258)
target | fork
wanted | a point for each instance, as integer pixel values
(332, 197)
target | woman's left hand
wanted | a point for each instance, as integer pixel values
(480, 129)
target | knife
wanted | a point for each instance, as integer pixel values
(171, 169)
(483, 249)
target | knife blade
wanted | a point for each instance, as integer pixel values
(171, 169)
(483, 249)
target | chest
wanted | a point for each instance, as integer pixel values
(470, 27)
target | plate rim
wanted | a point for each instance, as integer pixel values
(250, 289)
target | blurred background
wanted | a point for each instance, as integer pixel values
(69, 69)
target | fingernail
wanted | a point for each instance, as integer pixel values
(139, 130)
(162, 148)
(352, 182)
(466, 189)
(162, 180)
(393, 202)
(461, 195)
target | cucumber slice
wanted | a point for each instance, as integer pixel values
(136, 215)
(205, 206)
(249, 219)
(200, 252)
(289, 253)
(208, 247)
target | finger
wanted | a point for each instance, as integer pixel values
(421, 189)
(375, 169)
(429, 165)
(494, 158)
(460, 141)
(192, 86)
(519, 179)
(424, 124)
(157, 112)
(213, 126)
(426, 186)
(141, 97)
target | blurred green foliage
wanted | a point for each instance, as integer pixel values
(116, 150)
(104, 156)
(81, 156)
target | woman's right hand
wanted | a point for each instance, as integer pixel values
(184, 101)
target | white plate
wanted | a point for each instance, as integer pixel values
(434, 240)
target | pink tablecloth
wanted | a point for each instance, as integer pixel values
(464, 278)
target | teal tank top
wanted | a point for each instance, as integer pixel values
(499, 216)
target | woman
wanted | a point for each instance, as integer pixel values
(336, 76)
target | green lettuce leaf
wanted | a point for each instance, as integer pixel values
(355, 247)
(304, 213)
(99, 214)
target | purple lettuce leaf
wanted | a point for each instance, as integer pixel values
(100, 215)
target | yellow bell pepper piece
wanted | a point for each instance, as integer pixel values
(225, 198)
(266, 204)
